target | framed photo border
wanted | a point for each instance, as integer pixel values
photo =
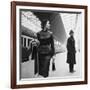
(13, 44)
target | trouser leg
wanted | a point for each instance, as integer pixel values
(71, 66)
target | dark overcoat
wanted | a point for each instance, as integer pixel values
(71, 51)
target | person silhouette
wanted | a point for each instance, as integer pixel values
(45, 50)
(71, 51)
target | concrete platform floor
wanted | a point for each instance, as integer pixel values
(62, 68)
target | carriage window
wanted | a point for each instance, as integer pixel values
(28, 41)
(24, 42)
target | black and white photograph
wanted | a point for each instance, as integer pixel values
(49, 45)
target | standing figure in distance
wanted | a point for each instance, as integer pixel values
(71, 51)
(45, 50)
